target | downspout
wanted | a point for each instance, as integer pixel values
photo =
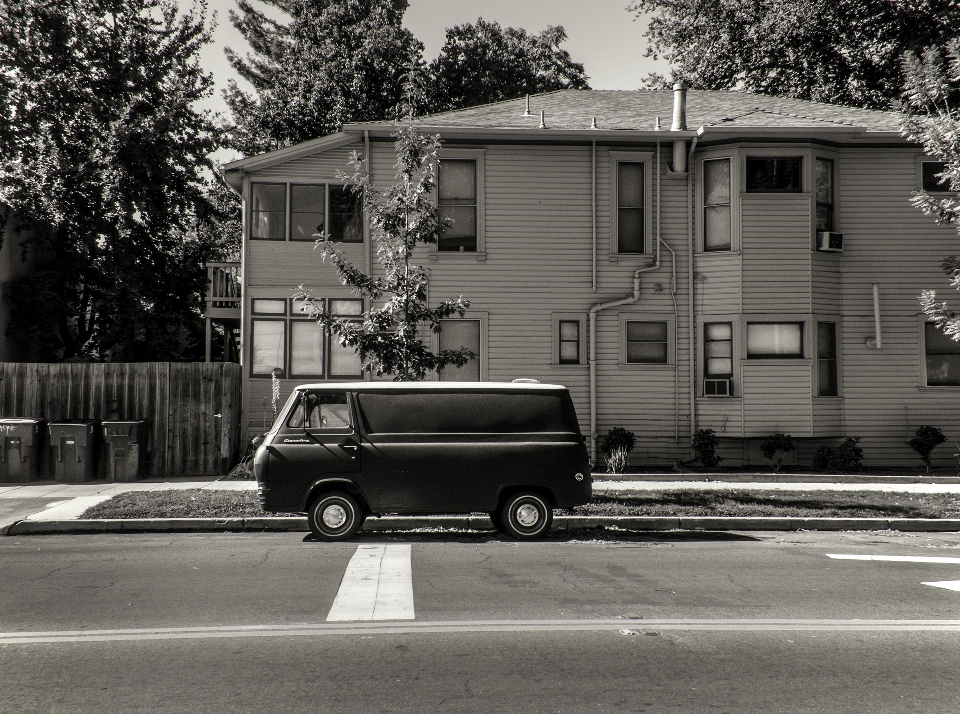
(690, 296)
(629, 299)
(593, 193)
(368, 257)
(875, 342)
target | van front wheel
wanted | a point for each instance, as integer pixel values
(526, 516)
(335, 516)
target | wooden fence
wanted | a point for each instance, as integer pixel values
(193, 409)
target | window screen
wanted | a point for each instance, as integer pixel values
(346, 219)
(307, 208)
(931, 180)
(772, 339)
(269, 338)
(828, 384)
(455, 334)
(646, 342)
(268, 209)
(465, 413)
(824, 195)
(943, 358)
(306, 349)
(630, 237)
(716, 204)
(457, 199)
(773, 174)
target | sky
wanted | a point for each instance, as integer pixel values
(601, 34)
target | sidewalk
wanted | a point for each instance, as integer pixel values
(55, 507)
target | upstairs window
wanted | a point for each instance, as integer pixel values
(770, 174)
(824, 195)
(716, 205)
(313, 210)
(930, 175)
(457, 200)
(774, 339)
(569, 352)
(268, 211)
(630, 219)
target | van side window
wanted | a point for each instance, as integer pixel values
(325, 410)
(465, 413)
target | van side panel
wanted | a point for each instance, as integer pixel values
(464, 473)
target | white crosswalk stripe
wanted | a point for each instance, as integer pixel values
(377, 585)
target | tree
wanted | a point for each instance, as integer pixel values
(402, 217)
(103, 161)
(839, 51)
(483, 63)
(930, 115)
(336, 61)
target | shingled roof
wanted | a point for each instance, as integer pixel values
(639, 110)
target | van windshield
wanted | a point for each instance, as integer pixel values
(466, 413)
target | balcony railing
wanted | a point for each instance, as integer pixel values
(223, 292)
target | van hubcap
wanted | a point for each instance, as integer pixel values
(528, 515)
(334, 516)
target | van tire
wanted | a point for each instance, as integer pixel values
(526, 516)
(335, 516)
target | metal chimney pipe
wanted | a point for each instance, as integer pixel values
(679, 107)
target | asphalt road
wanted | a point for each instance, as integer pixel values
(655, 623)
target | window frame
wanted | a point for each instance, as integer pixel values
(822, 320)
(631, 157)
(731, 160)
(283, 343)
(803, 155)
(481, 317)
(923, 356)
(804, 338)
(921, 160)
(579, 318)
(668, 319)
(705, 374)
(477, 155)
(290, 316)
(288, 212)
(832, 206)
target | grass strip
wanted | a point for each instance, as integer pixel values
(208, 503)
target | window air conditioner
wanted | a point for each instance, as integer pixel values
(830, 242)
(718, 387)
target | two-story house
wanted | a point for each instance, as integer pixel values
(679, 260)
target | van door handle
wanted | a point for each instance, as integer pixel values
(349, 447)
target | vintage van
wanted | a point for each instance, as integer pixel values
(345, 451)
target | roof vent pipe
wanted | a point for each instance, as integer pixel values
(679, 107)
(679, 124)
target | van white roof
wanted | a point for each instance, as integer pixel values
(428, 386)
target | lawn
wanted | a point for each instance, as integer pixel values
(207, 503)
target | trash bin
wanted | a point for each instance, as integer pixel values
(20, 450)
(125, 446)
(73, 450)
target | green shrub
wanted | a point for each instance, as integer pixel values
(776, 446)
(616, 447)
(926, 439)
(847, 456)
(705, 443)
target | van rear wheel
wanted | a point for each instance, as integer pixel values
(526, 516)
(335, 516)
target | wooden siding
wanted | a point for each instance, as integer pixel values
(538, 262)
(775, 396)
(775, 242)
(193, 409)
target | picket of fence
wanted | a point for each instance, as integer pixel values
(193, 408)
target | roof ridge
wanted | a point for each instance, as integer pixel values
(501, 101)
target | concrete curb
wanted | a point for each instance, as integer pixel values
(560, 523)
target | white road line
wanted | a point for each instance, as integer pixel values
(377, 585)
(392, 628)
(898, 558)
